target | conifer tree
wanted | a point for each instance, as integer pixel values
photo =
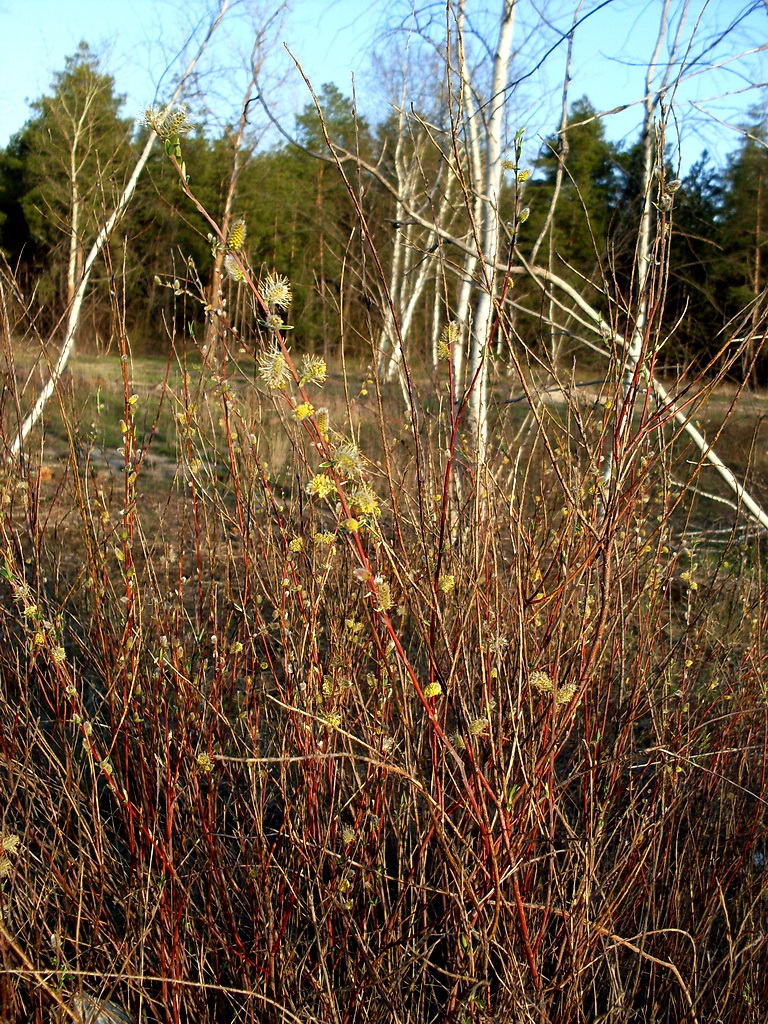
(744, 230)
(77, 151)
(589, 194)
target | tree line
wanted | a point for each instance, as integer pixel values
(62, 171)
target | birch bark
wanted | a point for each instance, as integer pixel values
(489, 236)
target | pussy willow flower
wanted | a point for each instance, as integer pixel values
(365, 501)
(233, 268)
(448, 338)
(433, 689)
(9, 843)
(296, 545)
(348, 835)
(325, 538)
(322, 418)
(276, 291)
(384, 593)
(274, 322)
(478, 726)
(204, 762)
(565, 694)
(498, 644)
(313, 370)
(446, 583)
(301, 412)
(450, 332)
(168, 123)
(236, 237)
(273, 369)
(321, 486)
(541, 681)
(332, 719)
(348, 459)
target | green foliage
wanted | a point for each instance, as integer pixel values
(77, 152)
(15, 237)
(589, 193)
(62, 172)
(300, 220)
(694, 293)
(168, 238)
(344, 127)
(744, 216)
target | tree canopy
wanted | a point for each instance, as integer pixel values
(60, 174)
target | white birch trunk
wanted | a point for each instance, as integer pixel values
(437, 306)
(478, 369)
(463, 313)
(387, 338)
(75, 256)
(74, 243)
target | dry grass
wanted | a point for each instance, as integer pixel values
(235, 798)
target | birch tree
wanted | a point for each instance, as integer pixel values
(489, 254)
(79, 152)
(488, 227)
(421, 181)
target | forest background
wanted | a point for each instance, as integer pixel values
(61, 171)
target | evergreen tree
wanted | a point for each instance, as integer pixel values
(15, 239)
(77, 150)
(693, 311)
(744, 230)
(302, 220)
(169, 238)
(589, 192)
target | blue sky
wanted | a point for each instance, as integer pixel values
(136, 39)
